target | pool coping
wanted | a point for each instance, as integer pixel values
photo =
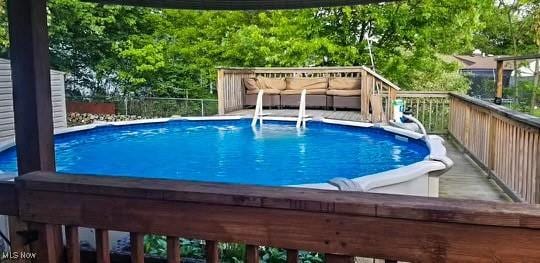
(434, 164)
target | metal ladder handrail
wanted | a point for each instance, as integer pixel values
(302, 111)
(258, 114)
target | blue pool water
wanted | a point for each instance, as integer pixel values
(231, 151)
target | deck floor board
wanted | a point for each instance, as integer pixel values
(465, 180)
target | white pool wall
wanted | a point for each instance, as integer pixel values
(420, 178)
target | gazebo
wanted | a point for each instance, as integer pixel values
(340, 224)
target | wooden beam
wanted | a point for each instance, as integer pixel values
(430, 229)
(47, 244)
(237, 4)
(8, 199)
(332, 258)
(524, 57)
(173, 249)
(137, 247)
(102, 246)
(212, 251)
(30, 73)
(73, 247)
(292, 256)
(220, 91)
(499, 82)
(289, 198)
(252, 254)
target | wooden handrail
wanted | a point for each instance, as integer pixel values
(342, 223)
(524, 118)
(378, 76)
(504, 142)
(422, 94)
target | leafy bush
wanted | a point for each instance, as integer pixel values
(232, 252)
(273, 255)
(155, 245)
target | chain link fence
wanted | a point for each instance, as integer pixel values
(149, 107)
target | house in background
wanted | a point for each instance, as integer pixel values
(481, 70)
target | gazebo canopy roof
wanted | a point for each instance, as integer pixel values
(237, 4)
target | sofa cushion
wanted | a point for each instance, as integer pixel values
(272, 83)
(344, 93)
(252, 85)
(306, 83)
(308, 92)
(266, 91)
(344, 83)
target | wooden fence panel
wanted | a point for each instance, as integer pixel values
(231, 91)
(505, 143)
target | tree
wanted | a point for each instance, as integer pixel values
(151, 52)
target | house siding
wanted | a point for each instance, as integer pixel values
(7, 121)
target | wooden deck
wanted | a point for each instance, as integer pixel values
(465, 180)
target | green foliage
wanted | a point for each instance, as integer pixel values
(155, 245)
(522, 102)
(310, 257)
(510, 27)
(273, 255)
(159, 52)
(192, 248)
(232, 252)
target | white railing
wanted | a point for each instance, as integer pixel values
(258, 114)
(301, 121)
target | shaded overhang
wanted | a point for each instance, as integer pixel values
(236, 4)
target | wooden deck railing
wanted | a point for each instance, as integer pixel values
(231, 92)
(340, 224)
(505, 142)
(430, 107)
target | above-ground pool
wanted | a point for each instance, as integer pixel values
(231, 151)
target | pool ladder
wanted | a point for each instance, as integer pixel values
(301, 121)
(258, 114)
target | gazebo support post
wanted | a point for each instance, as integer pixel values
(30, 71)
(499, 82)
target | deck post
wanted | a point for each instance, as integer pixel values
(392, 96)
(32, 106)
(220, 91)
(30, 70)
(499, 79)
(364, 86)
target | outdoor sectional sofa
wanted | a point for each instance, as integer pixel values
(334, 92)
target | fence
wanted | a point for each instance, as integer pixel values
(430, 107)
(156, 107)
(505, 142)
(231, 95)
